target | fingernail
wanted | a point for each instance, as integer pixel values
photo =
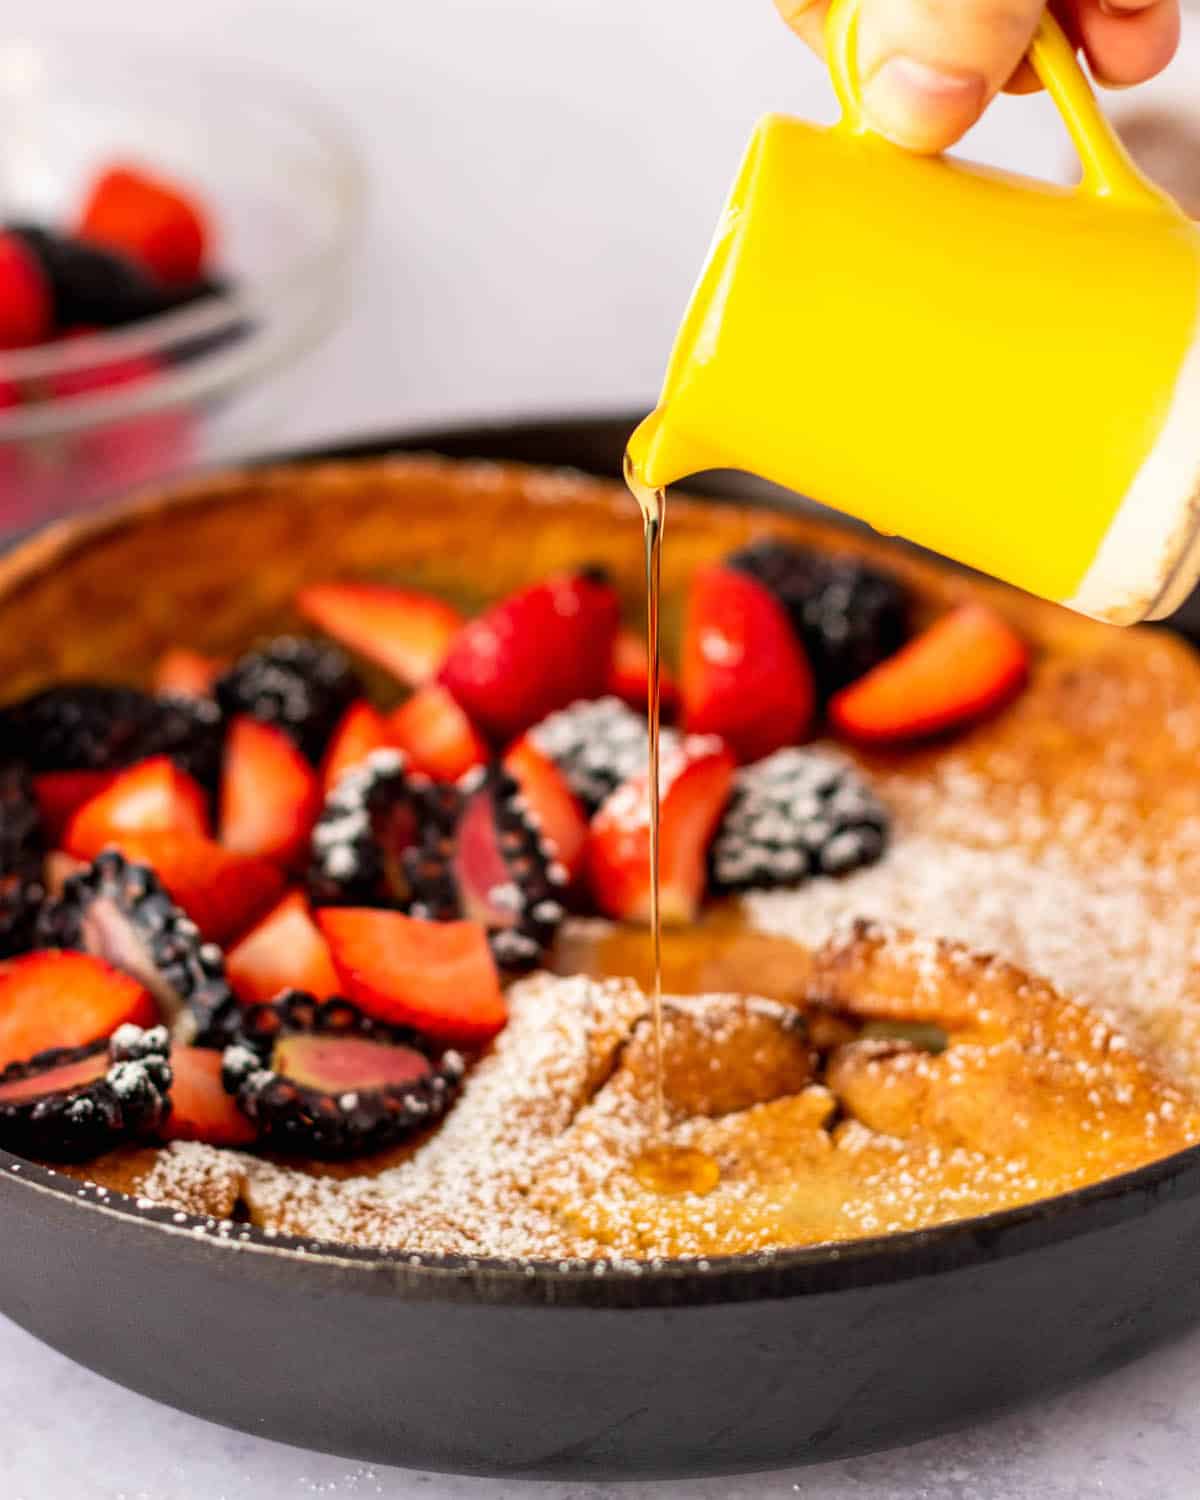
(921, 107)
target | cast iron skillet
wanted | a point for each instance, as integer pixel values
(484, 1367)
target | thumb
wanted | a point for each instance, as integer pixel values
(929, 67)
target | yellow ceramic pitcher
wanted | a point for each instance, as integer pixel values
(1002, 369)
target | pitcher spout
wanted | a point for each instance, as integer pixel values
(661, 450)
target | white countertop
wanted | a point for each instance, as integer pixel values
(545, 175)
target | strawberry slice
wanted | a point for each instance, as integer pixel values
(26, 306)
(285, 951)
(696, 776)
(59, 794)
(58, 999)
(436, 735)
(362, 729)
(185, 673)
(745, 676)
(551, 801)
(404, 630)
(154, 796)
(534, 652)
(223, 892)
(148, 219)
(629, 675)
(201, 1110)
(270, 795)
(967, 664)
(437, 976)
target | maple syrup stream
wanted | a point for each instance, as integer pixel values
(663, 1168)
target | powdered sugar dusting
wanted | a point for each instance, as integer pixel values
(536, 1160)
(196, 1178)
(1122, 936)
(466, 1189)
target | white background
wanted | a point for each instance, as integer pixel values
(545, 175)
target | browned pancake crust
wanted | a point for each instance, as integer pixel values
(1033, 1095)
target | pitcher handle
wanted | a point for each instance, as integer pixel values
(1108, 171)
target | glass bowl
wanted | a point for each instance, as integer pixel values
(89, 416)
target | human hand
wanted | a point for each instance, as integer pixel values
(929, 68)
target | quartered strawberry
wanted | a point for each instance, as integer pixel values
(362, 729)
(270, 795)
(404, 630)
(283, 951)
(148, 219)
(696, 777)
(558, 811)
(966, 664)
(185, 673)
(154, 796)
(201, 1110)
(222, 891)
(59, 794)
(58, 999)
(436, 735)
(629, 675)
(744, 675)
(535, 651)
(26, 307)
(436, 976)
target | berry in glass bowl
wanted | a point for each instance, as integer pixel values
(174, 234)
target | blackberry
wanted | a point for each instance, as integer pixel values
(850, 616)
(91, 285)
(597, 745)
(22, 861)
(302, 687)
(483, 859)
(373, 814)
(120, 911)
(324, 1079)
(92, 726)
(72, 1103)
(797, 814)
